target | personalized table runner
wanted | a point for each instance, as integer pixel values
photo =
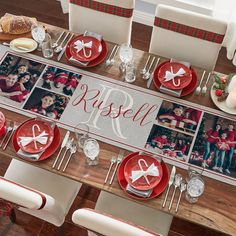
(124, 115)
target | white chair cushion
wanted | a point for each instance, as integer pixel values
(107, 225)
(131, 211)
(112, 27)
(198, 52)
(62, 189)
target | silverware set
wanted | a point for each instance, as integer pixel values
(111, 59)
(70, 145)
(11, 127)
(177, 181)
(114, 161)
(61, 47)
(203, 89)
(148, 69)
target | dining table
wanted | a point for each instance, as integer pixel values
(215, 209)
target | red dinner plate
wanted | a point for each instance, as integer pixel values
(92, 63)
(49, 151)
(184, 80)
(2, 124)
(156, 190)
(133, 165)
(33, 128)
(185, 91)
(95, 50)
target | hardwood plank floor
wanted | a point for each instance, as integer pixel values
(49, 11)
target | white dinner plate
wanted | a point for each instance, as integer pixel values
(221, 105)
(33, 43)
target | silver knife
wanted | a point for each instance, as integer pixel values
(63, 144)
(171, 180)
(64, 48)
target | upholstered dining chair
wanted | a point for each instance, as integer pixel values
(115, 216)
(187, 36)
(38, 192)
(110, 18)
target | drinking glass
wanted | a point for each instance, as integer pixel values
(195, 186)
(47, 46)
(38, 34)
(130, 73)
(81, 133)
(91, 150)
(126, 55)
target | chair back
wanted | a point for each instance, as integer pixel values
(23, 196)
(110, 18)
(187, 36)
(107, 225)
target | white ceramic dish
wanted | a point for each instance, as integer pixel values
(23, 40)
(221, 105)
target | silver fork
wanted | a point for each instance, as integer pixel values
(68, 146)
(149, 82)
(15, 126)
(118, 161)
(9, 128)
(113, 161)
(73, 150)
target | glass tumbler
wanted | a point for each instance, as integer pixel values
(91, 150)
(195, 186)
(130, 72)
(47, 46)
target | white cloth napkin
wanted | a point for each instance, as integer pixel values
(29, 156)
(139, 193)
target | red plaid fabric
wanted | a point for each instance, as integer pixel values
(188, 30)
(103, 7)
(5, 208)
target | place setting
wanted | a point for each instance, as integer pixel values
(142, 176)
(36, 139)
(86, 50)
(175, 78)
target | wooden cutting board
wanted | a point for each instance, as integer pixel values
(9, 37)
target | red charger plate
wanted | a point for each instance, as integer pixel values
(26, 130)
(141, 183)
(2, 124)
(187, 90)
(184, 80)
(93, 63)
(156, 191)
(49, 151)
(95, 52)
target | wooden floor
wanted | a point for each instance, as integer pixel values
(49, 11)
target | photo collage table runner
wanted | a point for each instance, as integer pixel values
(137, 119)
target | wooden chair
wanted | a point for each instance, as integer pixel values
(115, 216)
(38, 192)
(187, 36)
(109, 18)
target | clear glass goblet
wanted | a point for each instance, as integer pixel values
(126, 55)
(81, 134)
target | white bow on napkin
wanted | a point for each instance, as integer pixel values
(171, 76)
(41, 138)
(152, 170)
(80, 45)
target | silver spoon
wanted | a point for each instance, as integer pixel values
(177, 182)
(144, 70)
(149, 82)
(55, 44)
(182, 188)
(15, 126)
(204, 89)
(73, 150)
(113, 58)
(198, 89)
(146, 76)
(59, 48)
(9, 128)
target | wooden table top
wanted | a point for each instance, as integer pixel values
(216, 209)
